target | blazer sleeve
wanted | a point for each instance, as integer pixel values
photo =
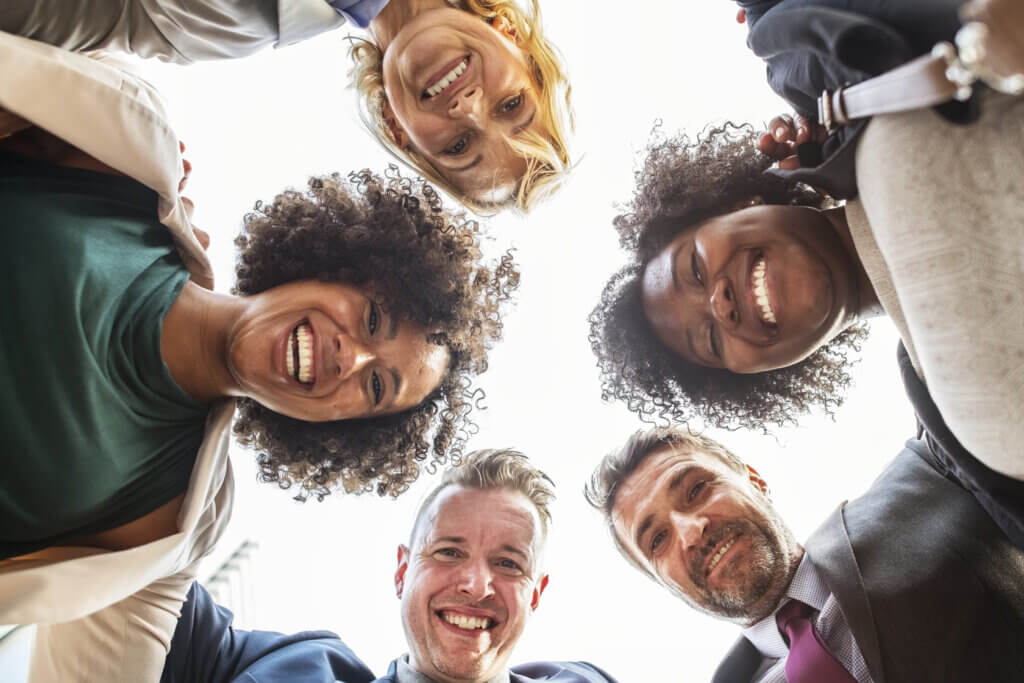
(126, 641)
(563, 672)
(206, 647)
(170, 30)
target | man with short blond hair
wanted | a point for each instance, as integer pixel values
(469, 578)
(912, 581)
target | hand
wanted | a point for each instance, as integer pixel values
(785, 134)
(187, 166)
(1004, 43)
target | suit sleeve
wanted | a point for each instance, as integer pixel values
(169, 29)
(206, 647)
(563, 672)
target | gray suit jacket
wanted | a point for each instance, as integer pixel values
(931, 588)
(172, 30)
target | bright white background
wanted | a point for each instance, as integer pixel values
(257, 125)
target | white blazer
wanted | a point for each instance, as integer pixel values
(109, 616)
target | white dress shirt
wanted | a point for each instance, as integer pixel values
(808, 588)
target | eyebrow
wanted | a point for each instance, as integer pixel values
(675, 277)
(392, 327)
(515, 551)
(525, 124)
(673, 484)
(479, 158)
(397, 379)
(448, 539)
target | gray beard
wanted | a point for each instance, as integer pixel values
(767, 570)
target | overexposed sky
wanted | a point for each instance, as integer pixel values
(257, 125)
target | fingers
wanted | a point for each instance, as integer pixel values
(782, 128)
(741, 16)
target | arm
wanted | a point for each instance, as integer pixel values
(169, 29)
(126, 641)
(206, 647)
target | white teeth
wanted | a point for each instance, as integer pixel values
(447, 79)
(468, 623)
(301, 338)
(718, 555)
(761, 292)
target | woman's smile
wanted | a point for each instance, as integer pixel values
(299, 353)
(751, 291)
(451, 76)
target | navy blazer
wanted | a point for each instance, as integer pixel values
(929, 585)
(207, 649)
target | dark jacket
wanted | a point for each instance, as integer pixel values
(812, 45)
(930, 587)
(207, 649)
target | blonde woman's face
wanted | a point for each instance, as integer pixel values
(457, 88)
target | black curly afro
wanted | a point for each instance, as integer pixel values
(683, 182)
(352, 230)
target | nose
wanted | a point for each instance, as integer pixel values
(474, 580)
(723, 304)
(467, 104)
(689, 527)
(350, 356)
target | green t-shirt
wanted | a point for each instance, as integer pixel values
(95, 431)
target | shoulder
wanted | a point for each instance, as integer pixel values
(564, 672)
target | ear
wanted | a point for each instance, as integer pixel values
(757, 481)
(395, 129)
(403, 567)
(503, 26)
(538, 590)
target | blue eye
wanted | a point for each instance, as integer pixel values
(512, 104)
(459, 147)
(696, 489)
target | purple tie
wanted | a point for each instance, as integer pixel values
(810, 660)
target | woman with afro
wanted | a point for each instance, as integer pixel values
(345, 356)
(743, 297)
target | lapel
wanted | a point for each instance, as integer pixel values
(391, 675)
(740, 663)
(109, 114)
(832, 554)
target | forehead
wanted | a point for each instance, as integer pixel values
(498, 516)
(654, 475)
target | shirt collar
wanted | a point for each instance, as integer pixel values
(807, 587)
(406, 674)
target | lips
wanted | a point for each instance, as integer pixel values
(451, 74)
(718, 554)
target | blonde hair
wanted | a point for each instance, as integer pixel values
(547, 156)
(497, 468)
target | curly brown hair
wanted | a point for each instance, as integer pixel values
(353, 230)
(683, 182)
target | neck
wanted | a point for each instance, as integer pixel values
(866, 304)
(193, 342)
(396, 14)
(770, 602)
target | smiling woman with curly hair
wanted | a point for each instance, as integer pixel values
(679, 331)
(392, 239)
